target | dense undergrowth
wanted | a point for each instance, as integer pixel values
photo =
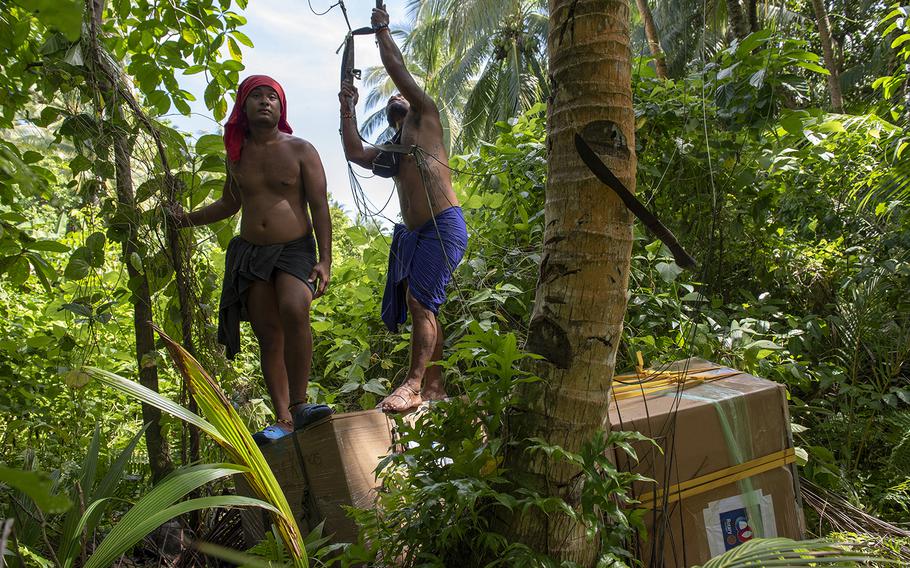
(797, 217)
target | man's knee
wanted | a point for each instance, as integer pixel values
(295, 313)
(270, 336)
(417, 309)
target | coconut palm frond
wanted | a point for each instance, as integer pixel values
(478, 106)
(453, 46)
(375, 122)
(783, 552)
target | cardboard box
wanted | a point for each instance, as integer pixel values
(322, 468)
(726, 458)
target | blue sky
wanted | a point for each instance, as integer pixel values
(297, 48)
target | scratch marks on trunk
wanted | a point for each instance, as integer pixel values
(606, 341)
(606, 138)
(555, 239)
(547, 338)
(551, 271)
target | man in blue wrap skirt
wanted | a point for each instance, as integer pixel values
(427, 248)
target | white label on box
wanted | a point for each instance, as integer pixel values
(732, 521)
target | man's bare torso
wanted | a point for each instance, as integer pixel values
(270, 180)
(423, 195)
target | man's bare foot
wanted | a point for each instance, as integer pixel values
(433, 393)
(402, 399)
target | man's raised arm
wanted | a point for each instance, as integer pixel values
(394, 65)
(354, 151)
(225, 206)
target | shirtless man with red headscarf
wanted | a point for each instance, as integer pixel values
(272, 272)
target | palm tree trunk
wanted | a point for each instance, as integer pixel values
(156, 444)
(580, 302)
(660, 66)
(737, 19)
(824, 33)
(752, 10)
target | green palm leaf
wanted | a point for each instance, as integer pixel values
(152, 398)
(224, 425)
(785, 552)
(160, 505)
(75, 524)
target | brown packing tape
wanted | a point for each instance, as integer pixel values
(719, 478)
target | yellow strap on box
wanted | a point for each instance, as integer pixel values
(719, 478)
(666, 381)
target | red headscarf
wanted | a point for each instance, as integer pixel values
(237, 125)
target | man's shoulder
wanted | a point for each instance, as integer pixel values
(298, 144)
(424, 120)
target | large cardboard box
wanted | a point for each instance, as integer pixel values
(724, 468)
(323, 468)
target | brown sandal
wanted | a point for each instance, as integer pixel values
(410, 397)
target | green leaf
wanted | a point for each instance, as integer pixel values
(375, 386)
(95, 243)
(78, 309)
(752, 41)
(813, 67)
(159, 100)
(46, 246)
(62, 15)
(220, 110)
(242, 38)
(152, 398)
(900, 40)
(19, 271)
(668, 271)
(226, 427)
(763, 344)
(80, 164)
(79, 265)
(38, 486)
(792, 123)
(210, 144)
(157, 507)
(234, 49)
(49, 114)
(831, 126)
(212, 94)
(232, 65)
(224, 232)
(188, 35)
(136, 262)
(44, 271)
(762, 348)
(147, 77)
(182, 107)
(76, 379)
(32, 157)
(239, 444)
(203, 190)
(235, 557)
(473, 202)
(786, 552)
